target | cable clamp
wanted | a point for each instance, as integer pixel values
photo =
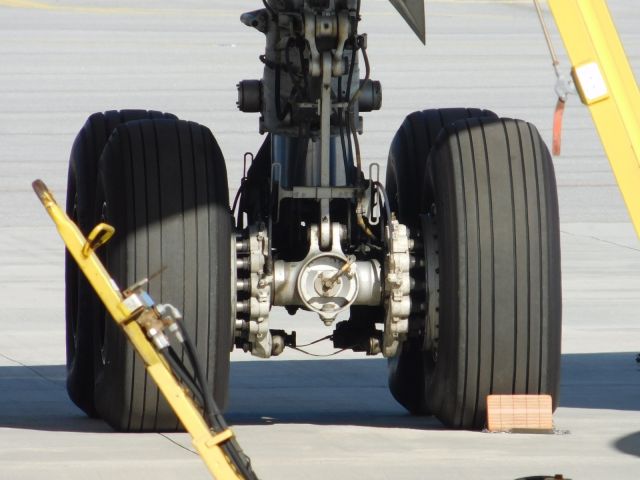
(219, 438)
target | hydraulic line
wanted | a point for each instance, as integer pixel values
(214, 417)
(178, 369)
(345, 160)
(352, 126)
(383, 192)
(354, 134)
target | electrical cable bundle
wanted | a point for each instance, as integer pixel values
(197, 384)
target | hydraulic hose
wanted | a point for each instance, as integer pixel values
(214, 418)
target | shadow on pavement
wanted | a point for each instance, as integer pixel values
(629, 444)
(324, 392)
(607, 381)
(35, 398)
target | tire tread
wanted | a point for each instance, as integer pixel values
(160, 160)
(82, 177)
(407, 173)
(501, 234)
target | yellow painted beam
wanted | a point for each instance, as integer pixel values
(607, 86)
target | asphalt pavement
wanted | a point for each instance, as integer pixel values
(298, 417)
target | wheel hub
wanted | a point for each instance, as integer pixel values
(322, 290)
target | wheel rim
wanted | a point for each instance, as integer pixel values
(429, 224)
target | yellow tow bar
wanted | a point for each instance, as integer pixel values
(125, 311)
(605, 82)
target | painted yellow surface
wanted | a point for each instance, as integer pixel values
(590, 36)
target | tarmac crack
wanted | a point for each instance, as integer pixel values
(31, 369)
(178, 444)
(593, 237)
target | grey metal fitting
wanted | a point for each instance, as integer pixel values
(242, 245)
(370, 98)
(300, 283)
(258, 19)
(243, 284)
(250, 96)
(243, 263)
(242, 307)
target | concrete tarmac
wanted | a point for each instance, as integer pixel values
(299, 418)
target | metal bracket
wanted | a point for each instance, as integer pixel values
(319, 193)
(344, 30)
(100, 235)
(310, 36)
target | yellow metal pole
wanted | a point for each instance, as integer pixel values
(606, 84)
(124, 313)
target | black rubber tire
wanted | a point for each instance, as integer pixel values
(405, 173)
(80, 302)
(499, 265)
(408, 156)
(163, 186)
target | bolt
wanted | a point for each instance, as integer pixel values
(418, 307)
(242, 245)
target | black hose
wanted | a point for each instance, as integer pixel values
(348, 113)
(238, 195)
(177, 367)
(345, 160)
(387, 207)
(212, 412)
(353, 100)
